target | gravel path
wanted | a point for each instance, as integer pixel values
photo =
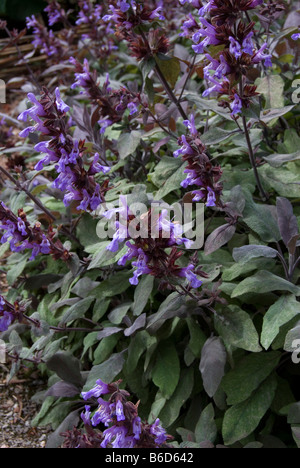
(17, 410)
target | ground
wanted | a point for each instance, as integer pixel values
(17, 411)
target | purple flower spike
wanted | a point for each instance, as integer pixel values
(60, 103)
(100, 388)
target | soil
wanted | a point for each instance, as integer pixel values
(17, 411)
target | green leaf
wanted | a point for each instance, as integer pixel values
(172, 408)
(128, 143)
(171, 307)
(212, 364)
(277, 160)
(282, 180)
(285, 309)
(264, 282)
(249, 373)
(206, 428)
(242, 419)
(292, 336)
(105, 348)
(216, 135)
(170, 67)
(166, 371)
(237, 329)
(272, 114)
(248, 252)
(240, 269)
(117, 284)
(221, 236)
(261, 219)
(66, 366)
(172, 183)
(271, 87)
(141, 294)
(16, 270)
(137, 346)
(107, 371)
(77, 311)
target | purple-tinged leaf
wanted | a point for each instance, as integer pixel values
(219, 237)
(212, 364)
(287, 222)
(108, 332)
(63, 390)
(138, 325)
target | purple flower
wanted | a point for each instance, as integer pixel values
(190, 124)
(115, 436)
(296, 37)
(100, 388)
(235, 48)
(185, 149)
(60, 103)
(136, 427)
(211, 198)
(158, 431)
(260, 56)
(86, 416)
(5, 321)
(120, 411)
(236, 105)
(141, 268)
(190, 276)
(132, 108)
(103, 414)
(248, 45)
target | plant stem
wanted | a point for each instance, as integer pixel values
(262, 192)
(37, 202)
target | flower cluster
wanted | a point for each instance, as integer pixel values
(44, 39)
(56, 14)
(153, 244)
(200, 171)
(22, 236)
(97, 30)
(221, 23)
(75, 177)
(8, 313)
(125, 428)
(131, 18)
(110, 104)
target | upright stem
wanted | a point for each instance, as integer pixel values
(251, 153)
(37, 202)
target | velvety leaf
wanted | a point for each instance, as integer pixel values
(277, 160)
(271, 87)
(142, 293)
(173, 306)
(285, 309)
(212, 364)
(166, 371)
(248, 252)
(66, 366)
(116, 315)
(247, 375)
(55, 440)
(128, 143)
(107, 371)
(77, 311)
(63, 390)
(108, 331)
(242, 419)
(139, 323)
(292, 338)
(218, 238)
(287, 221)
(206, 429)
(264, 282)
(172, 408)
(170, 67)
(237, 329)
(261, 219)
